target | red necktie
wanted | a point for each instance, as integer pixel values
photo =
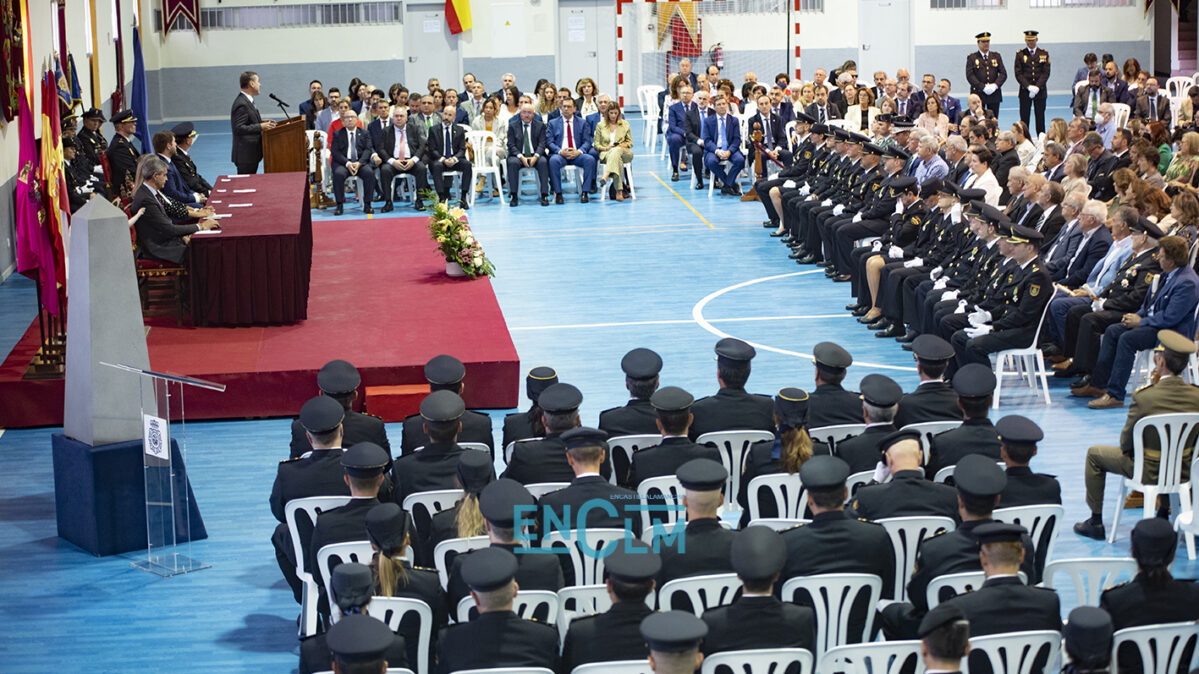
(570, 135)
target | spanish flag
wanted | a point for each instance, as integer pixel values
(457, 14)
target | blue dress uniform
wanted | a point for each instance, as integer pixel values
(355, 641)
(674, 450)
(1031, 66)
(122, 157)
(1020, 436)
(861, 452)
(985, 67)
(907, 493)
(517, 425)
(614, 634)
(976, 435)
(933, 400)
(732, 408)
(446, 373)
(544, 459)
(830, 404)
(91, 143)
(705, 546)
(637, 417)
(340, 379)
(435, 466)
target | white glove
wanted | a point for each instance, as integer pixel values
(876, 245)
(826, 203)
(895, 252)
(941, 283)
(881, 472)
(951, 295)
(990, 88)
(857, 217)
(962, 304)
(1097, 305)
(838, 209)
(955, 214)
(978, 332)
(99, 170)
(914, 262)
(898, 207)
(805, 190)
(936, 271)
(789, 184)
(85, 189)
(980, 317)
(1033, 90)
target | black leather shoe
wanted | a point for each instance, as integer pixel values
(880, 323)
(387, 207)
(339, 210)
(830, 272)
(893, 331)
(842, 278)
(851, 307)
(368, 210)
(699, 185)
(465, 204)
(861, 314)
(1090, 530)
(545, 200)
(769, 223)
(515, 201)
(1082, 382)
(825, 264)
(861, 311)
(807, 259)
(907, 347)
(795, 255)
(908, 337)
(420, 205)
(558, 198)
(778, 234)
(583, 198)
(674, 177)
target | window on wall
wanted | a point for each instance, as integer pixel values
(291, 16)
(966, 4)
(1039, 4)
(711, 7)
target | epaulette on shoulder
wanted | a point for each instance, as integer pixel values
(1143, 387)
(940, 532)
(1117, 585)
(425, 568)
(289, 460)
(373, 416)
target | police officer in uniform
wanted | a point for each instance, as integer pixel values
(707, 543)
(672, 407)
(339, 380)
(544, 459)
(674, 638)
(475, 471)
(934, 398)
(786, 452)
(907, 493)
(185, 135)
(353, 586)
(317, 473)
(586, 450)
(498, 504)
(435, 466)
(615, 634)
(445, 373)
(732, 408)
(497, 637)
(362, 643)
(944, 633)
(986, 74)
(1032, 72)
(637, 417)
(91, 140)
(122, 157)
(830, 404)
(1087, 637)
(757, 619)
(879, 400)
(1020, 436)
(528, 424)
(974, 385)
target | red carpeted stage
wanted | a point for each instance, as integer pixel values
(379, 298)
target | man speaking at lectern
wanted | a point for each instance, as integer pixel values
(248, 125)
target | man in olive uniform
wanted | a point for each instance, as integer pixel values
(435, 466)
(1020, 436)
(934, 398)
(446, 373)
(757, 619)
(365, 465)
(879, 400)
(521, 425)
(907, 493)
(185, 137)
(830, 403)
(615, 634)
(704, 546)
(122, 157)
(339, 380)
(986, 74)
(732, 408)
(974, 385)
(641, 368)
(674, 638)
(544, 459)
(1168, 394)
(1032, 72)
(497, 637)
(673, 410)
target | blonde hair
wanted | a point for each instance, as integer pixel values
(797, 448)
(469, 519)
(389, 569)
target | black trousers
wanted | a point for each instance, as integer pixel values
(387, 173)
(244, 168)
(1084, 332)
(440, 183)
(1037, 103)
(992, 102)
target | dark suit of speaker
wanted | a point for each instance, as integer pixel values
(247, 134)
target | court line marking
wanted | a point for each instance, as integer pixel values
(685, 202)
(677, 321)
(697, 313)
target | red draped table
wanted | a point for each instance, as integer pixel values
(256, 269)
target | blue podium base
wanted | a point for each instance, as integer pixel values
(100, 496)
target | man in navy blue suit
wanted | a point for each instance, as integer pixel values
(1171, 306)
(676, 132)
(774, 139)
(722, 142)
(569, 142)
(951, 106)
(526, 149)
(176, 188)
(352, 157)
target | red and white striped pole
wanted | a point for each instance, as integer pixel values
(620, 52)
(798, 69)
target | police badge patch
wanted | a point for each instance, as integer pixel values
(1034, 289)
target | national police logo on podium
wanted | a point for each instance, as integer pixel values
(156, 436)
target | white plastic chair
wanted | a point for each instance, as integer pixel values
(423, 505)
(884, 657)
(927, 430)
(626, 173)
(1027, 361)
(789, 132)
(1090, 576)
(311, 506)
(1177, 87)
(626, 445)
(733, 446)
(778, 523)
(702, 592)
(906, 535)
(832, 598)
(1080, 85)
(350, 551)
(856, 481)
(477, 446)
(647, 100)
(588, 568)
(947, 472)
(391, 610)
(577, 601)
(758, 661)
(615, 667)
(966, 581)
(526, 604)
(506, 670)
(1015, 652)
(442, 552)
(790, 498)
(666, 491)
(487, 161)
(831, 435)
(539, 489)
(1042, 523)
(407, 183)
(1186, 522)
(1173, 430)
(1120, 114)
(1161, 647)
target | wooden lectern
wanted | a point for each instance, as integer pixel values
(285, 147)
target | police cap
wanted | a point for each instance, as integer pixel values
(183, 130)
(539, 379)
(444, 370)
(897, 152)
(641, 364)
(932, 349)
(820, 129)
(671, 399)
(1147, 226)
(353, 584)
(999, 532)
(824, 472)
(321, 414)
(673, 631)
(974, 380)
(499, 501)
(442, 406)
(475, 471)
(94, 113)
(828, 354)
(758, 553)
(979, 475)
(337, 377)
(632, 562)
(791, 406)
(902, 183)
(985, 35)
(930, 187)
(1015, 428)
(898, 436)
(702, 475)
(365, 459)
(971, 194)
(560, 399)
(387, 525)
(1154, 541)
(359, 638)
(489, 569)
(939, 616)
(804, 118)
(1088, 633)
(733, 349)
(585, 437)
(872, 149)
(124, 116)
(880, 390)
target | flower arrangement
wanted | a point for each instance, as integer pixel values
(450, 230)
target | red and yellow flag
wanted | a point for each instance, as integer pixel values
(457, 15)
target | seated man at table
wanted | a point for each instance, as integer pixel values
(446, 151)
(400, 149)
(157, 236)
(352, 158)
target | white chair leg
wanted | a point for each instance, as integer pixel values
(1043, 375)
(1149, 508)
(999, 360)
(1111, 535)
(1190, 539)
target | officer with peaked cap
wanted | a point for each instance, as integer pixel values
(785, 453)
(317, 473)
(831, 404)
(122, 157)
(974, 385)
(586, 451)
(436, 465)
(92, 143)
(528, 424)
(447, 373)
(497, 637)
(880, 398)
(615, 634)
(339, 380)
(1031, 68)
(544, 459)
(757, 619)
(1020, 436)
(986, 74)
(1087, 641)
(185, 136)
(501, 503)
(641, 368)
(674, 638)
(732, 408)
(907, 493)
(356, 643)
(672, 409)
(834, 542)
(475, 471)
(703, 547)
(934, 399)
(945, 634)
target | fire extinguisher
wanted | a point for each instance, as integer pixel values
(716, 55)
